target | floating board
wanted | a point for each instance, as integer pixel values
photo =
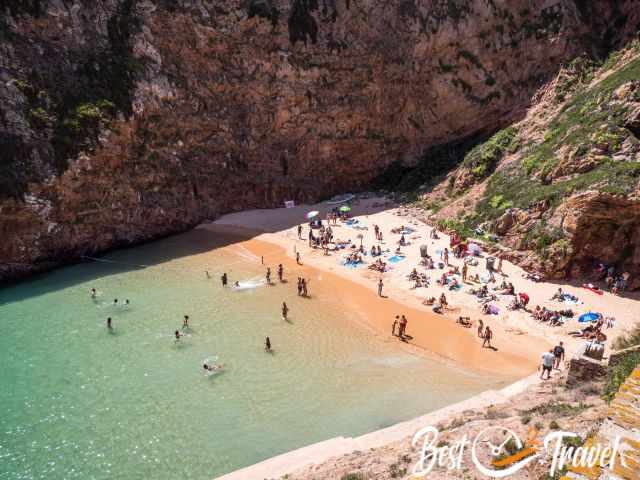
(341, 199)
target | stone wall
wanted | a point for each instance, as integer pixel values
(584, 369)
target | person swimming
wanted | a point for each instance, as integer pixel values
(177, 335)
(93, 293)
(115, 301)
(126, 302)
(267, 345)
(209, 369)
(236, 284)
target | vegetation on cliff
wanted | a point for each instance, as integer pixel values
(583, 138)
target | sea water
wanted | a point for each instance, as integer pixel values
(80, 401)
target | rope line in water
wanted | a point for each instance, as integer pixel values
(240, 251)
(104, 260)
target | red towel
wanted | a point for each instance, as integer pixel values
(594, 290)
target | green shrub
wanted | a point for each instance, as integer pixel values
(353, 476)
(619, 374)
(483, 158)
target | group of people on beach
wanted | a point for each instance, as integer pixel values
(400, 323)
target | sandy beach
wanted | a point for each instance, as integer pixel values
(519, 340)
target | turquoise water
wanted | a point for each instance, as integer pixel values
(80, 402)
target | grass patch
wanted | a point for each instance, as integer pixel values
(483, 158)
(557, 408)
(619, 374)
(353, 476)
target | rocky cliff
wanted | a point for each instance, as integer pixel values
(125, 120)
(561, 188)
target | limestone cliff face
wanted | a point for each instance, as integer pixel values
(125, 120)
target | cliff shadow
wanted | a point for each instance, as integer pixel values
(226, 231)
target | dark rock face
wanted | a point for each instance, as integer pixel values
(125, 120)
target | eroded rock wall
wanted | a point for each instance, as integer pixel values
(124, 120)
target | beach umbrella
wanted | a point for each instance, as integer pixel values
(312, 214)
(589, 317)
(345, 208)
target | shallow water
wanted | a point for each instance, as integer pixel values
(80, 402)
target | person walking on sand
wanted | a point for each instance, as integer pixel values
(298, 258)
(268, 275)
(299, 232)
(548, 360)
(446, 256)
(380, 285)
(403, 327)
(304, 288)
(280, 272)
(224, 279)
(395, 324)
(267, 345)
(558, 353)
(480, 328)
(488, 335)
(465, 270)
(285, 310)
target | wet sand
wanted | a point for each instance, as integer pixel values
(434, 335)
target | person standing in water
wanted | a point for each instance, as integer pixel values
(268, 276)
(185, 322)
(93, 293)
(177, 335)
(393, 327)
(206, 272)
(267, 345)
(298, 258)
(280, 272)
(109, 326)
(223, 279)
(304, 287)
(285, 310)
(380, 285)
